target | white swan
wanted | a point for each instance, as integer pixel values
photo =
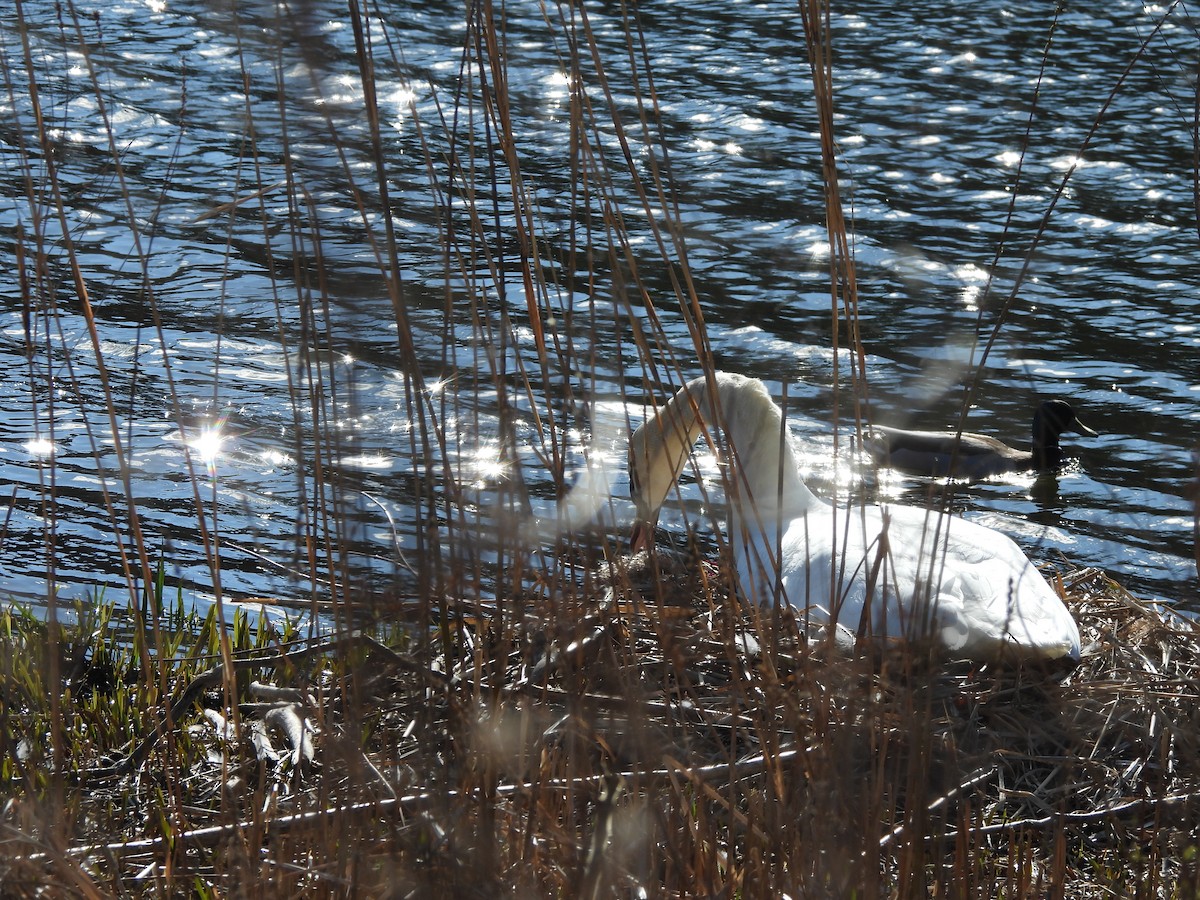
(874, 571)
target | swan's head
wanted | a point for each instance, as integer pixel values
(646, 514)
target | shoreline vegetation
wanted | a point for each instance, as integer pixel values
(635, 733)
(670, 743)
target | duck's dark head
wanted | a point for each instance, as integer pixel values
(1053, 418)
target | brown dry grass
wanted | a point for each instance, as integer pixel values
(662, 744)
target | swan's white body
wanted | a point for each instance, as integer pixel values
(870, 572)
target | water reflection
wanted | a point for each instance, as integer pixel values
(1045, 494)
(207, 446)
(39, 448)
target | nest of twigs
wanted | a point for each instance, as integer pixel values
(749, 762)
(655, 739)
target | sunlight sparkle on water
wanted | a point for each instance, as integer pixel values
(207, 445)
(401, 102)
(969, 272)
(1063, 163)
(485, 465)
(401, 98)
(889, 484)
(275, 458)
(818, 250)
(558, 85)
(367, 461)
(39, 448)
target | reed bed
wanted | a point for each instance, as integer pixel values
(484, 727)
(646, 742)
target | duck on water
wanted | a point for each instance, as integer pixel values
(865, 572)
(976, 456)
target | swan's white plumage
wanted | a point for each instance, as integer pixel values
(870, 571)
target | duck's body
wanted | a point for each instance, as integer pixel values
(975, 456)
(869, 572)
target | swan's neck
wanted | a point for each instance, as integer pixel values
(763, 483)
(764, 472)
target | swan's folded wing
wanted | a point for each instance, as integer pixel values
(930, 576)
(999, 601)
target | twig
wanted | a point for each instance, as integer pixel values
(554, 657)
(972, 782)
(216, 675)
(1170, 804)
(213, 834)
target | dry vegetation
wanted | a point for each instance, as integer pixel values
(631, 745)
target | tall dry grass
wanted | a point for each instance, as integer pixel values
(556, 719)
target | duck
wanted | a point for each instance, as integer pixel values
(888, 574)
(976, 456)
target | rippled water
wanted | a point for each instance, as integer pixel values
(252, 353)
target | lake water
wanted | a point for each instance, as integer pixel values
(264, 401)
